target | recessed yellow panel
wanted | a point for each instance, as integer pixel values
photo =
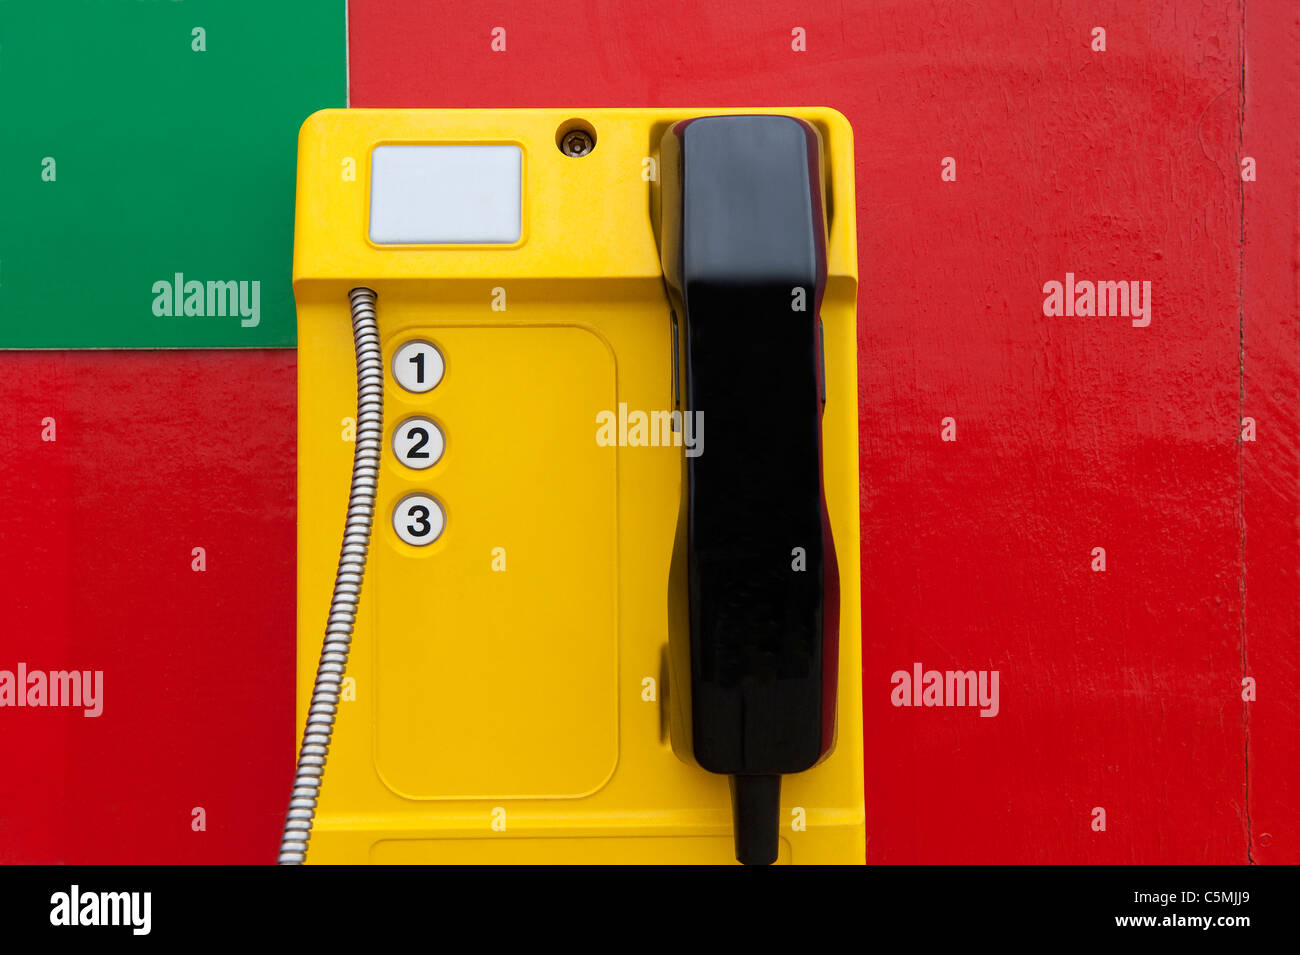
(495, 674)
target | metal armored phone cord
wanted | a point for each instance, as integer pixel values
(319, 730)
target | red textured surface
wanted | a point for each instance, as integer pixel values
(156, 453)
(1270, 468)
(1118, 689)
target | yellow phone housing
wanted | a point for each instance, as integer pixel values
(508, 691)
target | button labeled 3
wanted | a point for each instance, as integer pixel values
(418, 519)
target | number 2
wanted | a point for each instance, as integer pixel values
(416, 450)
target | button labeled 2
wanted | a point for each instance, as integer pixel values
(418, 443)
(418, 519)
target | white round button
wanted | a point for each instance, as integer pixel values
(418, 443)
(418, 366)
(418, 519)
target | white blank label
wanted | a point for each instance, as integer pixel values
(425, 195)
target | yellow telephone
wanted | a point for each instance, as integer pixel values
(600, 561)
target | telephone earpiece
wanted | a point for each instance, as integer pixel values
(742, 236)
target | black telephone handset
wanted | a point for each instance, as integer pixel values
(743, 246)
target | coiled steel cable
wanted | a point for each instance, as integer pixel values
(347, 582)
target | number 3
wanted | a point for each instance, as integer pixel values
(421, 514)
(418, 519)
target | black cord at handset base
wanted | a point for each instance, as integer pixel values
(756, 812)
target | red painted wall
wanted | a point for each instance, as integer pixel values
(1119, 689)
(1269, 633)
(155, 453)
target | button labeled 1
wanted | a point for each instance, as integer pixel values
(418, 519)
(418, 366)
(418, 443)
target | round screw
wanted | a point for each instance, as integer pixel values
(577, 143)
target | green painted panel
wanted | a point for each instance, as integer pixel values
(128, 156)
